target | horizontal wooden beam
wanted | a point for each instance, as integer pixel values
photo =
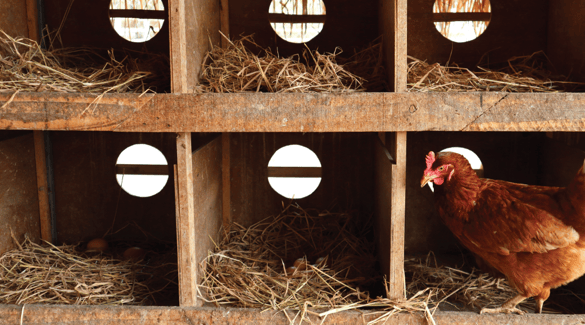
(142, 169)
(296, 19)
(136, 315)
(462, 16)
(294, 171)
(260, 112)
(135, 13)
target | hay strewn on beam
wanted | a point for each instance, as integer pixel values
(25, 66)
(521, 74)
(237, 69)
(62, 275)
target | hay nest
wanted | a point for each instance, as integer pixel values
(51, 274)
(25, 66)
(237, 69)
(254, 266)
(368, 63)
(520, 74)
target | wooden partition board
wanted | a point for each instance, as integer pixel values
(390, 189)
(365, 112)
(199, 215)
(195, 26)
(19, 208)
(393, 26)
(566, 30)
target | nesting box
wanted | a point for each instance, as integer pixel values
(218, 145)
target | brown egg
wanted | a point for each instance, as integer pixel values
(134, 253)
(300, 264)
(97, 245)
(290, 270)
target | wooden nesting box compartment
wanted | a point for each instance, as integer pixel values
(220, 143)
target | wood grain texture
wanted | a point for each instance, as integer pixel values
(19, 205)
(109, 315)
(365, 112)
(13, 18)
(207, 196)
(42, 186)
(383, 196)
(195, 26)
(226, 180)
(393, 24)
(186, 231)
(397, 219)
(32, 20)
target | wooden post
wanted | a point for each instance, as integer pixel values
(397, 214)
(187, 257)
(42, 186)
(226, 180)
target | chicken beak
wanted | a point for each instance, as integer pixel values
(425, 179)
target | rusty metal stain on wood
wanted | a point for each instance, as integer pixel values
(19, 206)
(294, 171)
(365, 112)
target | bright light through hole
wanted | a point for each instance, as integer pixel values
(134, 29)
(473, 159)
(142, 185)
(461, 31)
(294, 156)
(297, 32)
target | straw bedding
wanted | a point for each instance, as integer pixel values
(237, 69)
(25, 66)
(51, 274)
(520, 74)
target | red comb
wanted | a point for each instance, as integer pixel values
(430, 159)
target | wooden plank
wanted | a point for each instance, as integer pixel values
(226, 180)
(42, 187)
(194, 25)
(296, 19)
(134, 315)
(137, 13)
(294, 171)
(366, 112)
(14, 18)
(224, 17)
(383, 195)
(207, 197)
(32, 19)
(397, 217)
(142, 169)
(186, 231)
(393, 24)
(462, 16)
(19, 209)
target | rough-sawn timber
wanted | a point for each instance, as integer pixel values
(261, 112)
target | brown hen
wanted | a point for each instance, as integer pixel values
(532, 234)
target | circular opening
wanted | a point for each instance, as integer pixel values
(461, 20)
(137, 20)
(471, 156)
(142, 170)
(294, 171)
(297, 21)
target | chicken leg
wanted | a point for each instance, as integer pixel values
(508, 307)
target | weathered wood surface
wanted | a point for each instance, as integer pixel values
(369, 112)
(43, 187)
(186, 232)
(393, 23)
(108, 315)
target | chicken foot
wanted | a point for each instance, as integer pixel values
(508, 307)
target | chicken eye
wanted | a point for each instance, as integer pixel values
(441, 168)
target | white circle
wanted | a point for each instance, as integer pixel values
(297, 32)
(294, 155)
(473, 159)
(142, 185)
(461, 31)
(137, 30)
